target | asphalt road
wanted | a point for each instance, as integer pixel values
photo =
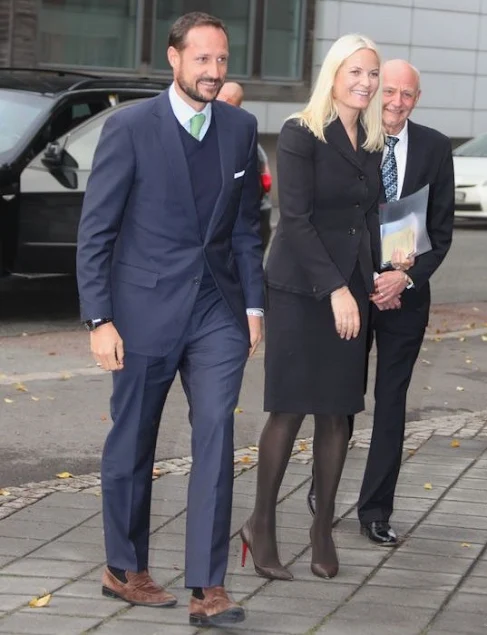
(56, 415)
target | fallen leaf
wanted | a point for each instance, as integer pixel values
(424, 348)
(426, 387)
(468, 361)
(475, 308)
(428, 486)
(425, 361)
(103, 418)
(460, 388)
(438, 339)
(245, 459)
(35, 398)
(24, 334)
(484, 338)
(411, 452)
(50, 398)
(64, 475)
(238, 411)
(39, 602)
(254, 448)
(455, 443)
(156, 472)
(466, 544)
(461, 339)
(65, 377)
(52, 353)
(4, 492)
(303, 446)
(21, 388)
(8, 400)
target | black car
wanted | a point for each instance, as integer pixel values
(50, 123)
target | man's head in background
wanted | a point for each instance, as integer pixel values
(401, 91)
(232, 93)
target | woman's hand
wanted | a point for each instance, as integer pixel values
(346, 313)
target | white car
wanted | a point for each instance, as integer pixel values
(470, 165)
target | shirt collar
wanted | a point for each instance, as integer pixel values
(183, 111)
(403, 134)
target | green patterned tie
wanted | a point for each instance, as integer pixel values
(195, 124)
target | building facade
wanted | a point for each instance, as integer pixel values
(276, 46)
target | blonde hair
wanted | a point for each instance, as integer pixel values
(321, 109)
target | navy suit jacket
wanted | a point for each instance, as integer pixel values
(141, 255)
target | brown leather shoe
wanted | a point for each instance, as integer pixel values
(215, 609)
(140, 590)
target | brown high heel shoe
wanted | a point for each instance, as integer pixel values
(277, 572)
(327, 569)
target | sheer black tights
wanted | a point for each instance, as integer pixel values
(275, 447)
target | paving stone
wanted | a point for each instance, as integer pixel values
(12, 528)
(410, 579)
(78, 551)
(401, 503)
(466, 508)
(457, 622)
(475, 584)
(355, 557)
(167, 507)
(381, 614)
(89, 589)
(129, 627)
(80, 607)
(414, 479)
(11, 602)
(480, 569)
(317, 589)
(90, 535)
(161, 539)
(417, 491)
(457, 534)
(423, 562)
(292, 605)
(399, 597)
(30, 586)
(468, 602)
(281, 624)
(174, 615)
(471, 483)
(457, 520)
(18, 546)
(44, 514)
(54, 568)
(466, 495)
(337, 626)
(446, 548)
(37, 623)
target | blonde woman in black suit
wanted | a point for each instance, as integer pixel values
(319, 276)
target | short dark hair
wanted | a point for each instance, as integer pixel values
(188, 21)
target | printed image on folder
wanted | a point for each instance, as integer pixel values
(403, 225)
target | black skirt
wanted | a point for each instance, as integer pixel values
(309, 369)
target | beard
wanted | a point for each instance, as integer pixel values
(192, 91)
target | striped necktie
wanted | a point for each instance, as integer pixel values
(389, 170)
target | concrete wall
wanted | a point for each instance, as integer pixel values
(445, 39)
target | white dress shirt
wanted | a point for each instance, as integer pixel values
(184, 112)
(401, 154)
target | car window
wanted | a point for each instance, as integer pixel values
(81, 143)
(70, 115)
(476, 147)
(18, 112)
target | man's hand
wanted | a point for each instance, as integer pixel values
(107, 347)
(346, 313)
(255, 328)
(389, 285)
(395, 303)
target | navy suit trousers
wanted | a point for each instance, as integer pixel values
(211, 359)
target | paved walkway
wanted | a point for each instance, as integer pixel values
(435, 582)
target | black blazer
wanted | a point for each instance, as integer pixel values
(429, 160)
(328, 200)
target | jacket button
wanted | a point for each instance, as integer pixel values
(196, 280)
(361, 177)
(352, 231)
(315, 289)
(357, 205)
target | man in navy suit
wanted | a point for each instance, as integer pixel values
(170, 279)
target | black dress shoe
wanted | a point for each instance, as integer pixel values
(311, 498)
(379, 532)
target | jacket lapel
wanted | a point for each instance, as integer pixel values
(412, 161)
(167, 130)
(226, 146)
(337, 136)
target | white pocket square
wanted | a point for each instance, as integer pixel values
(237, 175)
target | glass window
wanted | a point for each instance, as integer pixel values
(98, 33)
(18, 113)
(283, 39)
(236, 15)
